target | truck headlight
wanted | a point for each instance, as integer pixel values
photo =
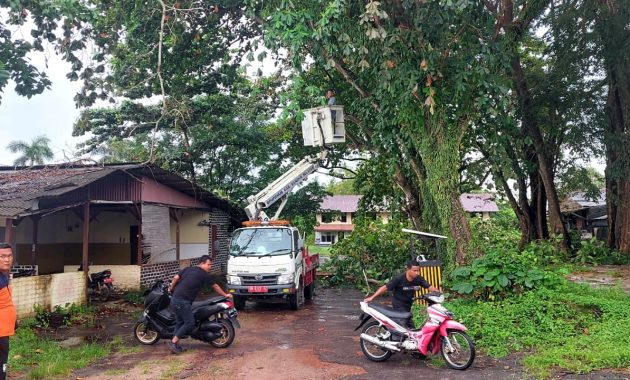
(234, 280)
(285, 279)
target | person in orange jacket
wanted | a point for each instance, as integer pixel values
(7, 309)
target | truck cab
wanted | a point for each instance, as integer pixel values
(269, 262)
(267, 258)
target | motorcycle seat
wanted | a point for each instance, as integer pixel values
(209, 301)
(391, 312)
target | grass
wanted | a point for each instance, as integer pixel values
(322, 250)
(38, 358)
(573, 327)
(174, 368)
(114, 372)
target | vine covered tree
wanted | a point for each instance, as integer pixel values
(414, 73)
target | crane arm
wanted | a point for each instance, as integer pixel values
(282, 186)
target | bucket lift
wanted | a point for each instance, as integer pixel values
(322, 126)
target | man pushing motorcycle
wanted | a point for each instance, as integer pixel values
(403, 287)
(184, 288)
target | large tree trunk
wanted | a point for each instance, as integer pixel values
(441, 158)
(412, 197)
(614, 36)
(539, 209)
(545, 169)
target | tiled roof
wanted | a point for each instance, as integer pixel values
(478, 202)
(341, 203)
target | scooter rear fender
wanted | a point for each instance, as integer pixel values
(364, 318)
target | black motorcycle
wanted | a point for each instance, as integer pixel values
(100, 285)
(215, 319)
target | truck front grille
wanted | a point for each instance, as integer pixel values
(265, 279)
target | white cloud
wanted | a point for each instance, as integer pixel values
(51, 113)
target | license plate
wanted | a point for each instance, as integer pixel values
(258, 289)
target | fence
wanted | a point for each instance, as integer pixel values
(47, 291)
(126, 277)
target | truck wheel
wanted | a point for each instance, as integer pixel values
(239, 302)
(296, 301)
(309, 291)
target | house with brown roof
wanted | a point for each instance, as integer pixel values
(137, 216)
(481, 204)
(586, 214)
(334, 218)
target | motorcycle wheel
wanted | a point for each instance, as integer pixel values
(145, 334)
(458, 350)
(227, 335)
(104, 293)
(370, 350)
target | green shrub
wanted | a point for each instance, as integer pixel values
(374, 249)
(135, 297)
(572, 327)
(499, 232)
(500, 273)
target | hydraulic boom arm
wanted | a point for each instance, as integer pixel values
(282, 186)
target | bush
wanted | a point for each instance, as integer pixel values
(572, 326)
(499, 232)
(501, 273)
(374, 249)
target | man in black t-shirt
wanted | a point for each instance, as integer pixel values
(184, 288)
(403, 287)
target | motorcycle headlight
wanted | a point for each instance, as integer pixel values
(285, 279)
(234, 280)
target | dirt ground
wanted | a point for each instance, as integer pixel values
(605, 275)
(317, 342)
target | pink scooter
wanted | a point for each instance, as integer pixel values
(386, 332)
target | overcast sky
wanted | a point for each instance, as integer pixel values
(51, 113)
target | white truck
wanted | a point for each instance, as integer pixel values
(267, 257)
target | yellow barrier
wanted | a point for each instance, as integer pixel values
(431, 270)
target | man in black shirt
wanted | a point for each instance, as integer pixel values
(403, 287)
(184, 288)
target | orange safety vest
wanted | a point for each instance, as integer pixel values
(7, 313)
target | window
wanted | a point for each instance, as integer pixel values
(327, 217)
(344, 218)
(328, 238)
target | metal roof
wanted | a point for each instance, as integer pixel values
(579, 201)
(22, 187)
(478, 202)
(342, 203)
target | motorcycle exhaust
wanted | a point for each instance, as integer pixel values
(379, 342)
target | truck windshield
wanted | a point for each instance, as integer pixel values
(261, 242)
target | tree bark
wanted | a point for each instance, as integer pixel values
(544, 168)
(611, 26)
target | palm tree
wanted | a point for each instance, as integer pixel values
(34, 153)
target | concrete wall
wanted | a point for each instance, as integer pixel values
(47, 291)
(126, 277)
(66, 227)
(60, 240)
(193, 238)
